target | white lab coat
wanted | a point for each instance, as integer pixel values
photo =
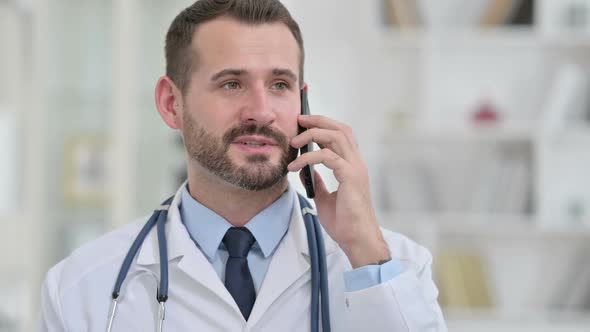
(77, 291)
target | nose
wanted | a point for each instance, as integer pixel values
(258, 107)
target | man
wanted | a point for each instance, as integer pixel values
(232, 88)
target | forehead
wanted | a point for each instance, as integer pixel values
(226, 43)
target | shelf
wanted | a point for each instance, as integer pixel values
(493, 320)
(490, 134)
(497, 37)
(486, 226)
(473, 134)
(454, 37)
(522, 316)
(574, 135)
(574, 40)
(400, 39)
(521, 322)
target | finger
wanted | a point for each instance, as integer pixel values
(320, 121)
(310, 121)
(331, 139)
(326, 157)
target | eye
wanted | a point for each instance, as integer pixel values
(232, 85)
(280, 86)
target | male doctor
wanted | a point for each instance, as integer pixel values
(237, 248)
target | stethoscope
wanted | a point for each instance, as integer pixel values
(317, 253)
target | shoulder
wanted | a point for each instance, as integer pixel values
(107, 250)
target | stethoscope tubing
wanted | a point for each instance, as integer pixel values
(317, 253)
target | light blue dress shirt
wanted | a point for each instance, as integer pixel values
(207, 229)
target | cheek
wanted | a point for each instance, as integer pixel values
(206, 112)
(289, 123)
(287, 114)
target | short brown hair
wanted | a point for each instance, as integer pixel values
(179, 59)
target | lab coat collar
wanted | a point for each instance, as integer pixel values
(288, 265)
(179, 241)
(177, 237)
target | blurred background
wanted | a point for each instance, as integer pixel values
(472, 115)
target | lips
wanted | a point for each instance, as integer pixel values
(255, 141)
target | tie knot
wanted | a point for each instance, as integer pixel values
(238, 241)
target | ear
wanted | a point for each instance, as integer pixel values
(169, 102)
(304, 86)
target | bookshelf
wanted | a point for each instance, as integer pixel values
(431, 142)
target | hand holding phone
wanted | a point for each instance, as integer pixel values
(308, 180)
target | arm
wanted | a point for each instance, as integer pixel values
(408, 301)
(372, 275)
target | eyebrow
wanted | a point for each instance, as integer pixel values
(285, 72)
(240, 72)
(228, 72)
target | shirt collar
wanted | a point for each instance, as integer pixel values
(207, 228)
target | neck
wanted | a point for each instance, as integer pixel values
(234, 204)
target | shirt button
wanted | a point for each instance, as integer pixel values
(347, 303)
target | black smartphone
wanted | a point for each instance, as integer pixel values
(308, 180)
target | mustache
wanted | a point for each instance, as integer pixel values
(254, 129)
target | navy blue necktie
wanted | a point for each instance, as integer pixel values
(238, 280)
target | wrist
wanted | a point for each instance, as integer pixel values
(370, 252)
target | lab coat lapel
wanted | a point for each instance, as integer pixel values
(192, 261)
(195, 265)
(289, 263)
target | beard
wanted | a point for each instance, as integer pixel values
(211, 152)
